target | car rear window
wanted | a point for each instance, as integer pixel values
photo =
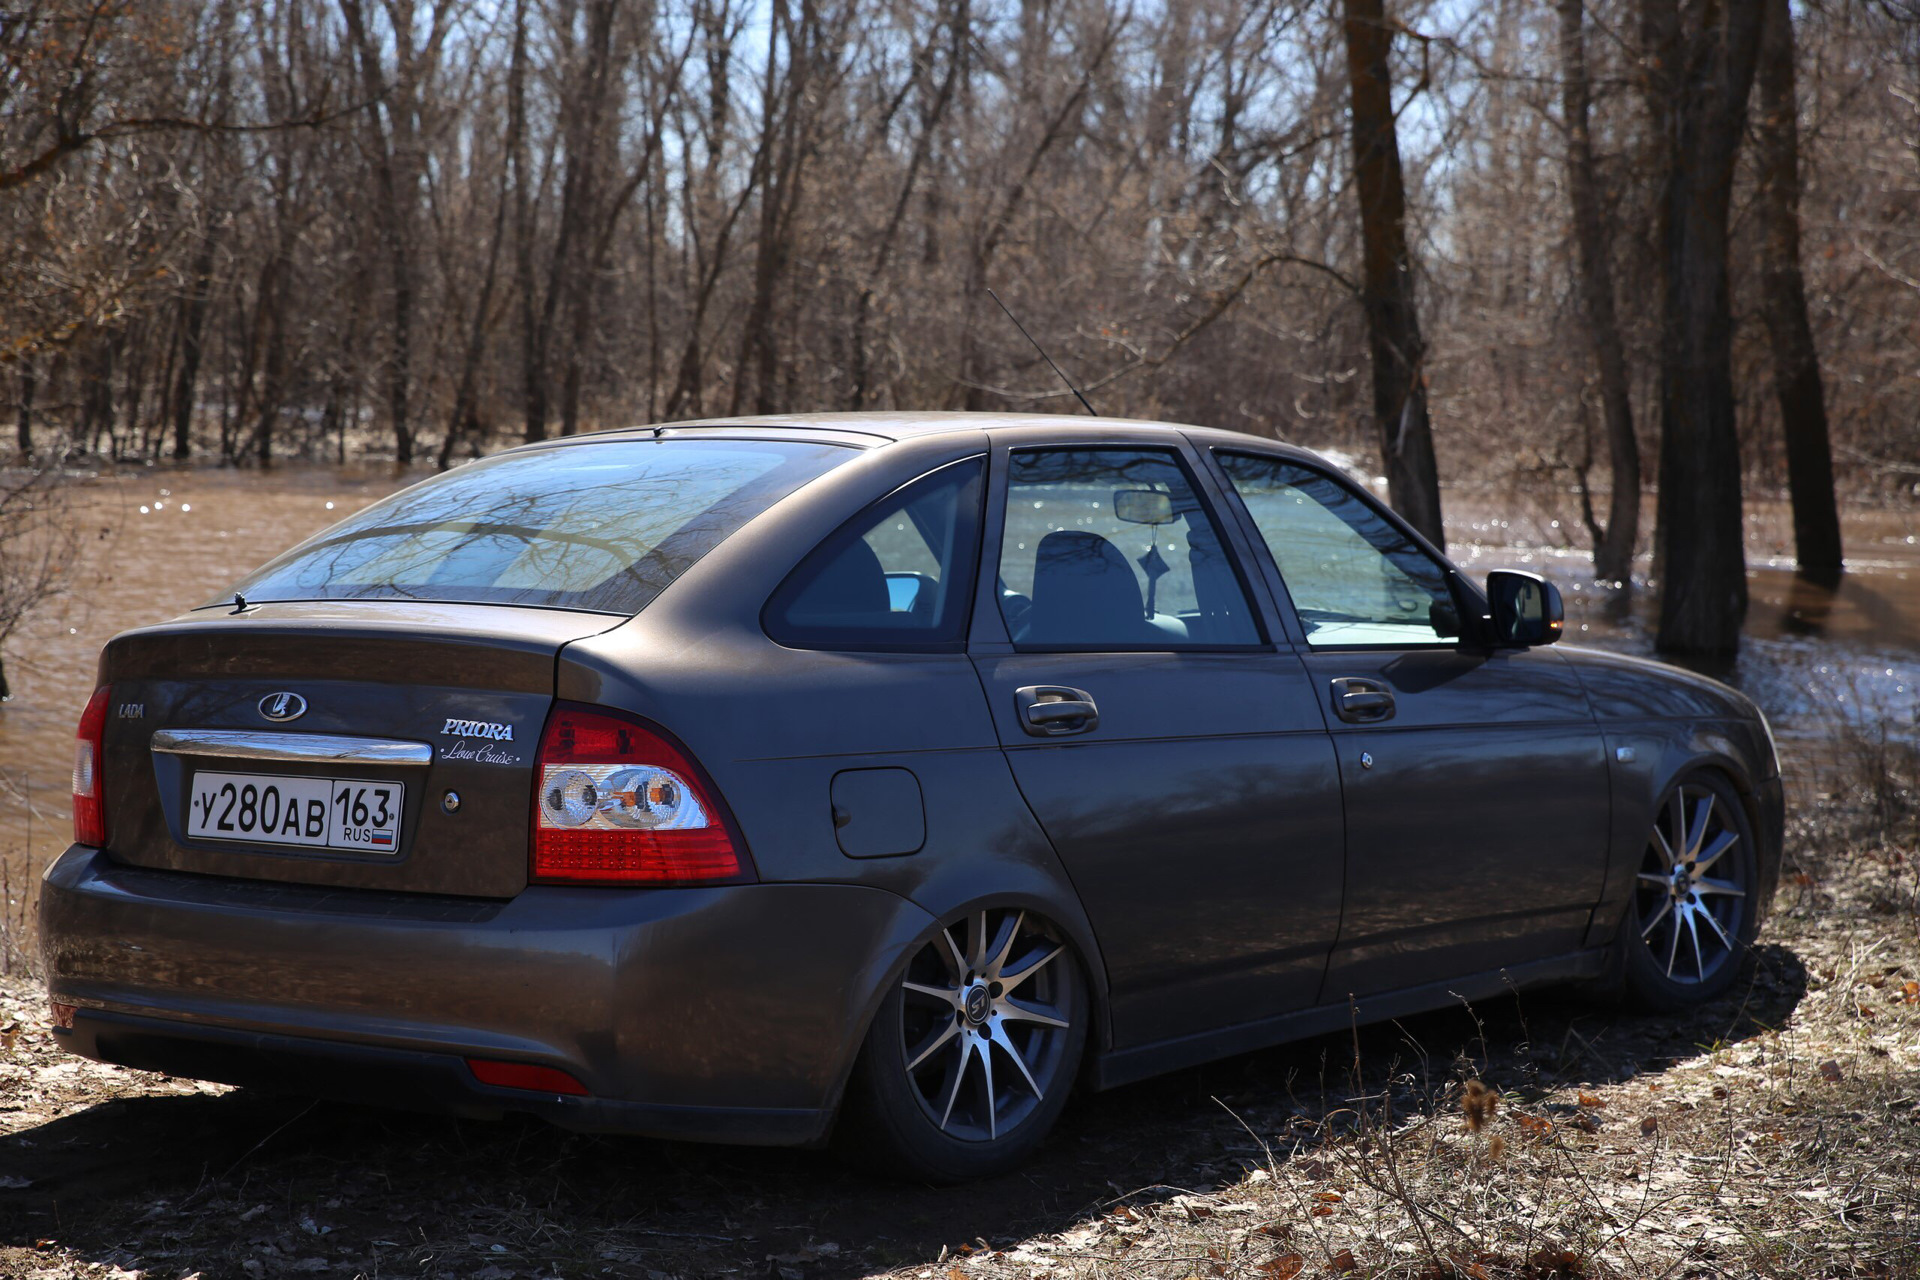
(604, 526)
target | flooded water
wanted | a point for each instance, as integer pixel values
(157, 542)
(1811, 657)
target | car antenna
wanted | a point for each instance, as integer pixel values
(1043, 353)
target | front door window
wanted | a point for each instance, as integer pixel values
(1354, 578)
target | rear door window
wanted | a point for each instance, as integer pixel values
(602, 526)
(898, 576)
(1110, 549)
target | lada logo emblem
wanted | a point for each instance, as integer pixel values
(283, 706)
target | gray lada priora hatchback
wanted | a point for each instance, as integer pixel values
(883, 776)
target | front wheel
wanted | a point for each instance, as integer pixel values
(1693, 916)
(971, 1056)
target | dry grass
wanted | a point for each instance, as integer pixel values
(1775, 1133)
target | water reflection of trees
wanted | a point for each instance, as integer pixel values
(603, 527)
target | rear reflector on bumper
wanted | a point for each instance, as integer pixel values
(62, 1015)
(524, 1075)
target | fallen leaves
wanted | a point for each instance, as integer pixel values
(1283, 1267)
(1478, 1103)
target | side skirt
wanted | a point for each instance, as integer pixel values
(1124, 1066)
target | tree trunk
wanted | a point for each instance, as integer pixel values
(96, 394)
(23, 424)
(193, 327)
(588, 149)
(1393, 324)
(392, 171)
(781, 119)
(1614, 545)
(466, 415)
(1703, 69)
(533, 370)
(930, 120)
(1796, 362)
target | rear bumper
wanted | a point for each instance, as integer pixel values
(408, 1080)
(724, 1014)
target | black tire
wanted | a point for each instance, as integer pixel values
(923, 1050)
(1684, 942)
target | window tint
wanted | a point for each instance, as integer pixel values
(603, 526)
(1109, 549)
(899, 575)
(1354, 578)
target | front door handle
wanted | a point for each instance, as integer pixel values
(1055, 710)
(1359, 701)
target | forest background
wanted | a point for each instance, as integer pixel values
(1577, 251)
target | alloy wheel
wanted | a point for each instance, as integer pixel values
(1691, 890)
(988, 1006)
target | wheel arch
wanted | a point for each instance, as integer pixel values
(1647, 759)
(1063, 910)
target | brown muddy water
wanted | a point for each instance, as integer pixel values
(156, 542)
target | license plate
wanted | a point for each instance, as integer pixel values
(318, 813)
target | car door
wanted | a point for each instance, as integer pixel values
(1175, 758)
(1475, 779)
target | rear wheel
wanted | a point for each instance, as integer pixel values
(971, 1056)
(1693, 919)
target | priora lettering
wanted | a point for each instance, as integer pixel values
(477, 729)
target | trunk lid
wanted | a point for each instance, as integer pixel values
(389, 703)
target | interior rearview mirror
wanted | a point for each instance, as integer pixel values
(1143, 506)
(1526, 608)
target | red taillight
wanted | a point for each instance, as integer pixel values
(524, 1075)
(89, 814)
(615, 802)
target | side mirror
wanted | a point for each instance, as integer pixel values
(1526, 609)
(903, 591)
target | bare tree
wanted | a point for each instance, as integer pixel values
(37, 543)
(1613, 545)
(1796, 363)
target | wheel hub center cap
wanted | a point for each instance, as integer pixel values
(977, 1004)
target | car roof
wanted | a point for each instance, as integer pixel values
(875, 428)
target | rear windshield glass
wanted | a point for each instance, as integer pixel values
(604, 527)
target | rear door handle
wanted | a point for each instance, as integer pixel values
(1055, 710)
(1359, 701)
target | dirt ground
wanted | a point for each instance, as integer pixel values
(1775, 1133)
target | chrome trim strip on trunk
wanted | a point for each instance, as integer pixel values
(290, 748)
